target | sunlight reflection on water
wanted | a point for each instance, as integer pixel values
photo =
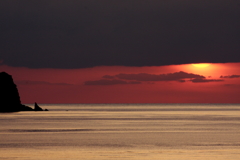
(122, 131)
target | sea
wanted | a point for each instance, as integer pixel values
(122, 132)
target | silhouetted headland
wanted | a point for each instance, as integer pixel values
(37, 108)
(9, 96)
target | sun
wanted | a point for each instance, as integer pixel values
(201, 65)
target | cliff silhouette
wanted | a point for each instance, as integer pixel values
(9, 96)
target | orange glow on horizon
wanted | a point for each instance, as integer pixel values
(213, 70)
(201, 65)
(67, 85)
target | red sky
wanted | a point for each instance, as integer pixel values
(216, 83)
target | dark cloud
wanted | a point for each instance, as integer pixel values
(143, 77)
(108, 77)
(181, 80)
(203, 80)
(177, 76)
(230, 76)
(109, 82)
(82, 33)
(134, 82)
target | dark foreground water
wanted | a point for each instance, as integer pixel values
(122, 131)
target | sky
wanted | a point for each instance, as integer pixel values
(186, 83)
(122, 51)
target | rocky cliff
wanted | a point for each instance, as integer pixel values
(9, 96)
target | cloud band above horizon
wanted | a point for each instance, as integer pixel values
(145, 77)
(81, 34)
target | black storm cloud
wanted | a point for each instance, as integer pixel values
(87, 33)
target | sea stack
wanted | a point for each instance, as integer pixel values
(37, 108)
(9, 96)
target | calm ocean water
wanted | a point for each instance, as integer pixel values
(122, 132)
